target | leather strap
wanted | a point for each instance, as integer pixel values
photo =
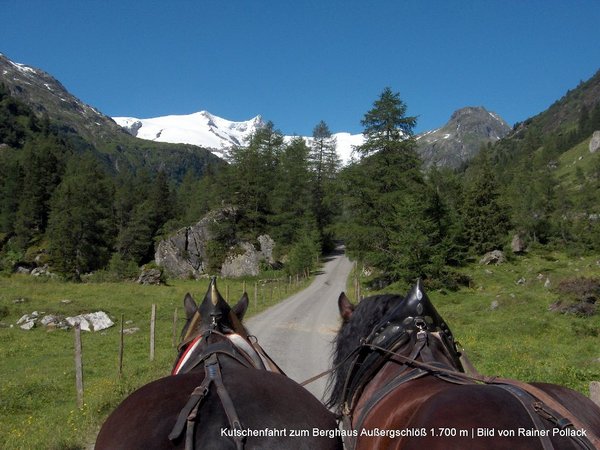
(188, 415)
(527, 401)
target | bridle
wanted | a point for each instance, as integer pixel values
(246, 351)
(537, 403)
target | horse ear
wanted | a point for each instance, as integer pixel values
(241, 307)
(190, 305)
(346, 308)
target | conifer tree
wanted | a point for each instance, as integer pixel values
(485, 217)
(81, 223)
(325, 164)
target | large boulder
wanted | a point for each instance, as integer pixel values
(185, 254)
(595, 142)
(242, 264)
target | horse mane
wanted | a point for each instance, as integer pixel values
(368, 313)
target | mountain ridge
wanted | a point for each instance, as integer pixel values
(202, 128)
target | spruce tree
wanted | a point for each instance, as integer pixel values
(81, 226)
(485, 218)
(325, 164)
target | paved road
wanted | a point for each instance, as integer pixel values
(297, 332)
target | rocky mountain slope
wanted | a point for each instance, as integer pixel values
(451, 145)
(461, 138)
(90, 130)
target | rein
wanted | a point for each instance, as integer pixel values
(244, 350)
(544, 405)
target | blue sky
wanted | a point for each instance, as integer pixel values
(299, 62)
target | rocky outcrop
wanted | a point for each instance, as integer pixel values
(248, 263)
(494, 257)
(150, 276)
(185, 254)
(595, 142)
(518, 244)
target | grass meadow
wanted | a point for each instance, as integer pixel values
(504, 324)
(38, 407)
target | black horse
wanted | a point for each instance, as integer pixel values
(224, 393)
(399, 383)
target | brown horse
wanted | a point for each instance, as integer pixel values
(399, 384)
(224, 393)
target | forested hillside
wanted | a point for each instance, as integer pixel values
(63, 202)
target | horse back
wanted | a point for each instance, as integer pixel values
(434, 414)
(263, 401)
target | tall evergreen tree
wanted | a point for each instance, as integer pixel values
(325, 164)
(393, 220)
(387, 128)
(249, 179)
(44, 159)
(80, 229)
(485, 217)
(291, 196)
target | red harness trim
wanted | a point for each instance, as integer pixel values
(186, 355)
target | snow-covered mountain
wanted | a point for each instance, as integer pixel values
(212, 132)
(451, 145)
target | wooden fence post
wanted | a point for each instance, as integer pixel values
(78, 366)
(174, 343)
(255, 294)
(595, 392)
(121, 349)
(152, 328)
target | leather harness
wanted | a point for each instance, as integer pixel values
(250, 355)
(538, 404)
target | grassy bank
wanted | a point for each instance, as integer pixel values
(37, 377)
(504, 323)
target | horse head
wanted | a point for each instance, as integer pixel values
(212, 317)
(382, 325)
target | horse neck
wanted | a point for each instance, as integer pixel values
(232, 345)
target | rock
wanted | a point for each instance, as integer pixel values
(150, 276)
(547, 283)
(521, 281)
(267, 244)
(245, 264)
(66, 302)
(185, 254)
(494, 257)
(42, 271)
(595, 142)
(84, 325)
(583, 309)
(46, 320)
(28, 325)
(22, 270)
(518, 244)
(98, 320)
(131, 330)
(494, 305)
(595, 392)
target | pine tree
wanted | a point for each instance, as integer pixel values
(80, 229)
(325, 164)
(386, 126)
(392, 218)
(44, 160)
(291, 197)
(486, 220)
